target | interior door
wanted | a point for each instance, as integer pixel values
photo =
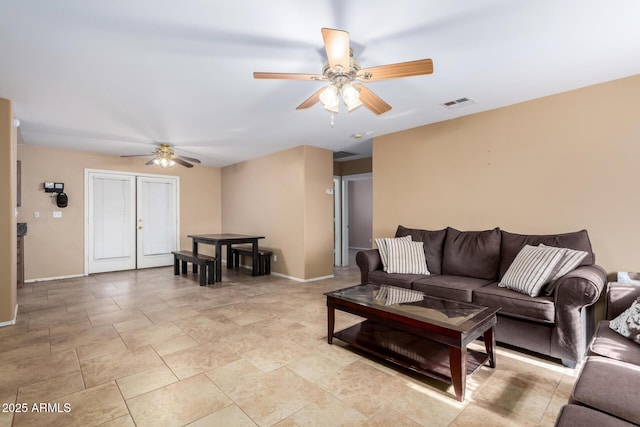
(157, 222)
(110, 222)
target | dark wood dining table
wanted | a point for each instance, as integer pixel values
(227, 239)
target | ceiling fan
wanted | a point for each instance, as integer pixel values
(342, 69)
(166, 158)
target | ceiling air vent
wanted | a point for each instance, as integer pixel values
(341, 154)
(459, 103)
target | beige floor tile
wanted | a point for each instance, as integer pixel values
(388, 417)
(83, 338)
(329, 412)
(159, 314)
(203, 329)
(174, 344)
(116, 317)
(275, 396)
(6, 416)
(57, 330)
(478, 416)
(108, 346)
(22, 347)
(363, 387)
(229, 376)
(52, 388)
(275, 353)
(156, 334)
(128, 325)
(427, 406)
(117, 365)
(124, 421)
(90, 407)
(178, 404)
(38, 369)
(199, 359)
(228, 416)
(523, 403)
(314, 366)
(145, 381)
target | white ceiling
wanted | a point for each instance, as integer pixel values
(119, 76)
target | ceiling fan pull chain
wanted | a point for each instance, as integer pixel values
(332, 116)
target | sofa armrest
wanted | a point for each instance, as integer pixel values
(575, 322)
(619, 298)
(368, 261)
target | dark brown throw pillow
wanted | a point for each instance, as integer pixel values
(472, 253)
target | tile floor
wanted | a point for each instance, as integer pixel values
(148, 348)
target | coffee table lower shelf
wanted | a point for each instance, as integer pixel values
(418, 354)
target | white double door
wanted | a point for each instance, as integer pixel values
(131, 221)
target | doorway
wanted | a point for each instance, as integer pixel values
(353, 215)
(131, 220)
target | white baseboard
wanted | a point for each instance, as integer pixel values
(297, 279)
(11, 322)
(46, 279)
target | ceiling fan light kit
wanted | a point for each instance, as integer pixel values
(342, 69)
(165, 158)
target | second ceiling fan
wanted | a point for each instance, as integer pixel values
(342, 70)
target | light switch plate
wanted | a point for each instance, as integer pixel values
(57, 214)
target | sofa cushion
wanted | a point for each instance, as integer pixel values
(472, 253)
(627, 323)
(569, 262)
(513, 243)
(383, 247)
(610, 386)
(532, 268)
(515, 304)
(433, 244)
(458, 288)
(401, 280)
(576, 415)
(406, 257)
(609, 343)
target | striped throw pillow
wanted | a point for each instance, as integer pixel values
(382, 245)
(531, 269)
(571, 260)
(406, 257)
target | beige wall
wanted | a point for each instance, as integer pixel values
(55, 247)
(555, 164)
(281, 196)
(8, 237)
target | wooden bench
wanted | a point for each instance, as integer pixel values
(207, 265)
(264, 258)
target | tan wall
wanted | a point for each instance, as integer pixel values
(8, 237)
(271, 196)
(352, 167)
(555, 164)
(318, 213)
(55, 247)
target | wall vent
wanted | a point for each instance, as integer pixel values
(459, 103)
(342, 154)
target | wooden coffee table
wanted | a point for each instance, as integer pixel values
(429, 335)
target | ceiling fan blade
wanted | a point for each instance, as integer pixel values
(138, 155)
(150, 162)
(189, 159)
(312, 100)
(336, 43)
(372, 101)
(393, 71)
(182, 162)
(288, 76)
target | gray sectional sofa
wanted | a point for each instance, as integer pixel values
(606, 391)
(467, 266)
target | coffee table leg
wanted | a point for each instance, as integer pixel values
(331, 319)
(490, 345)
(458, 363)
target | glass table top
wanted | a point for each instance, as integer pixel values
(410, 303)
